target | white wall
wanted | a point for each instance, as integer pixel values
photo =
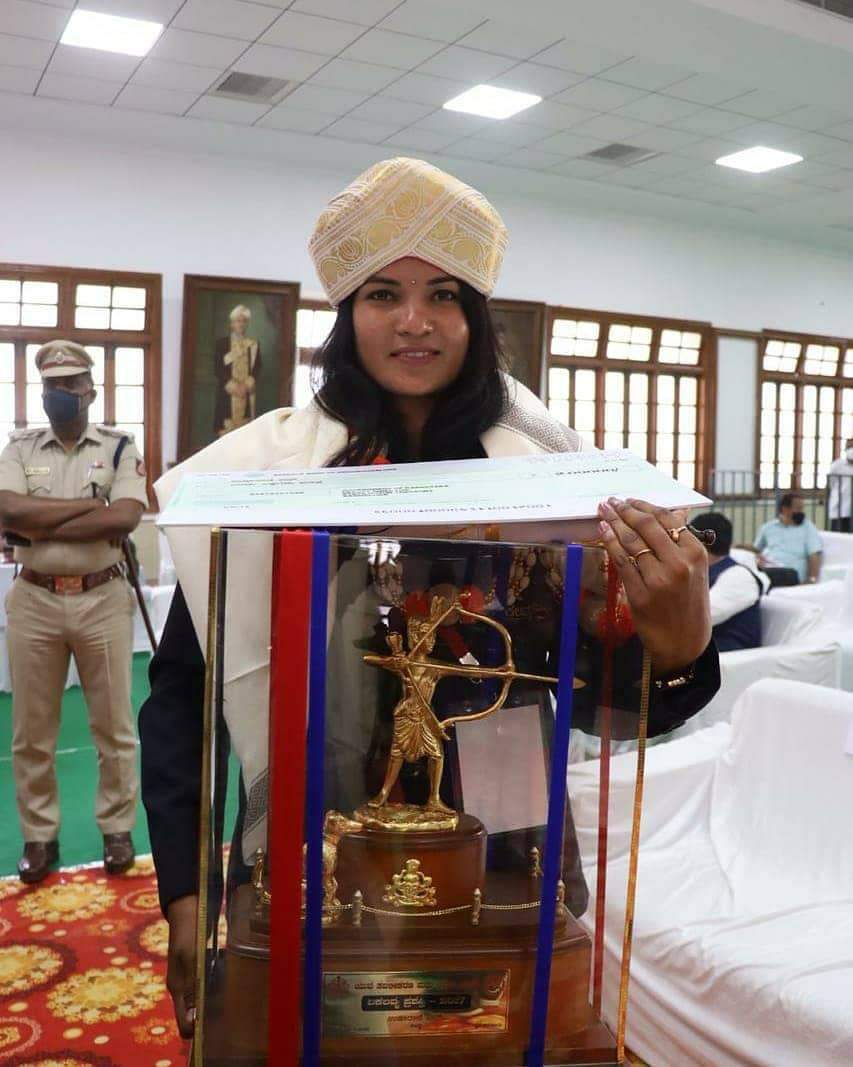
(88, 205)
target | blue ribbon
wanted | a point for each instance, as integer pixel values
(556, 808)
(313, 974)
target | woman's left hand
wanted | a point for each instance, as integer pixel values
(666, 586)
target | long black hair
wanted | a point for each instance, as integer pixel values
(472, 403)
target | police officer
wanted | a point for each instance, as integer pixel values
(70, 493)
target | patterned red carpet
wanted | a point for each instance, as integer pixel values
(82, 959)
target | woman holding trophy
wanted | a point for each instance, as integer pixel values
(411, 371)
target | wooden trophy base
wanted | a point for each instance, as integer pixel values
(419, 973)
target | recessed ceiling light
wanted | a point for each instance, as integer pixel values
(491, 102)
(111, 33)
(759, 159)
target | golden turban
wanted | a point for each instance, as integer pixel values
(406, 207)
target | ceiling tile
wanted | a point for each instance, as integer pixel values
(18, 79)
(554, 116)
(585, 169)
(270, 61)
(421, 140)
(643, 75)
(322, 100)
(425, 89)
(570, 143)
(533, 78)
(814, 117)
(579, 57)
(659, 109)
(91, 63)
(230, 18)
(24, 52)
(162, 101)
(473, 148)
(84, 90)
(508, 132)
(612, 128)
(599, 95)
(440, 20)
(314, 34)
(663, 165)
(160, 74)
(365, 12)
(238, 112)
(154, 10)
(786, 138)
(474, 67)
(709, 148)
(711, 120)
(202, 49)
(531, 159)
(706, 89)
(824, 176)
(841, 156)
(630, 178)
(761, 104)
(391, 49)
(32, 20)
(509, 39)
(347, 74)
(843, 130)
(453, 121)
(290, 118)
(348, 129)
(386, 109)
(665, 140)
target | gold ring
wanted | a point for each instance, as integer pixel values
(675, 534)
(635, 556)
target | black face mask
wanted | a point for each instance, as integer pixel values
(60, 406)
(798, 517)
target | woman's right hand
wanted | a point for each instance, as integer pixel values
(181, 965)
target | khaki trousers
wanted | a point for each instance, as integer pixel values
(43, 631)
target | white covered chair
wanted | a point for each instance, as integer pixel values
(837, 554)
(743, 934)
(835, 599)
(796, 645)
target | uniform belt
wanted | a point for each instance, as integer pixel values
(68, 584)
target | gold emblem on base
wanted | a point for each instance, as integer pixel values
(411, 888)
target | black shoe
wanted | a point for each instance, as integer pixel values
(118, 853)
(38, 858)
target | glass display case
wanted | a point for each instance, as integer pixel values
(389, 870)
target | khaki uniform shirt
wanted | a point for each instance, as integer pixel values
(35, 463)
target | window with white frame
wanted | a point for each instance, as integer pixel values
(638, 383)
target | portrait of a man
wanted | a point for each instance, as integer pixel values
(238, 366)
(238, 353)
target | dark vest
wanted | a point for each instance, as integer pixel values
(744, 629)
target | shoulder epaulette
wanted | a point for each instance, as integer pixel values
(114, 431)
(29, 431)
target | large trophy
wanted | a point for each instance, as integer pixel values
(404, 882)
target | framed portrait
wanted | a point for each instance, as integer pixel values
(238, 348)
(520, 325)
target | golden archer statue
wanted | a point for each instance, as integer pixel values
(418, 732)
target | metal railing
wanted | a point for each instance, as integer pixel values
(738, 494)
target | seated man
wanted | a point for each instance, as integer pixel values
(790, 545)
(735, 589)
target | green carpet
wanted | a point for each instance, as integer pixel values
(77, 769)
